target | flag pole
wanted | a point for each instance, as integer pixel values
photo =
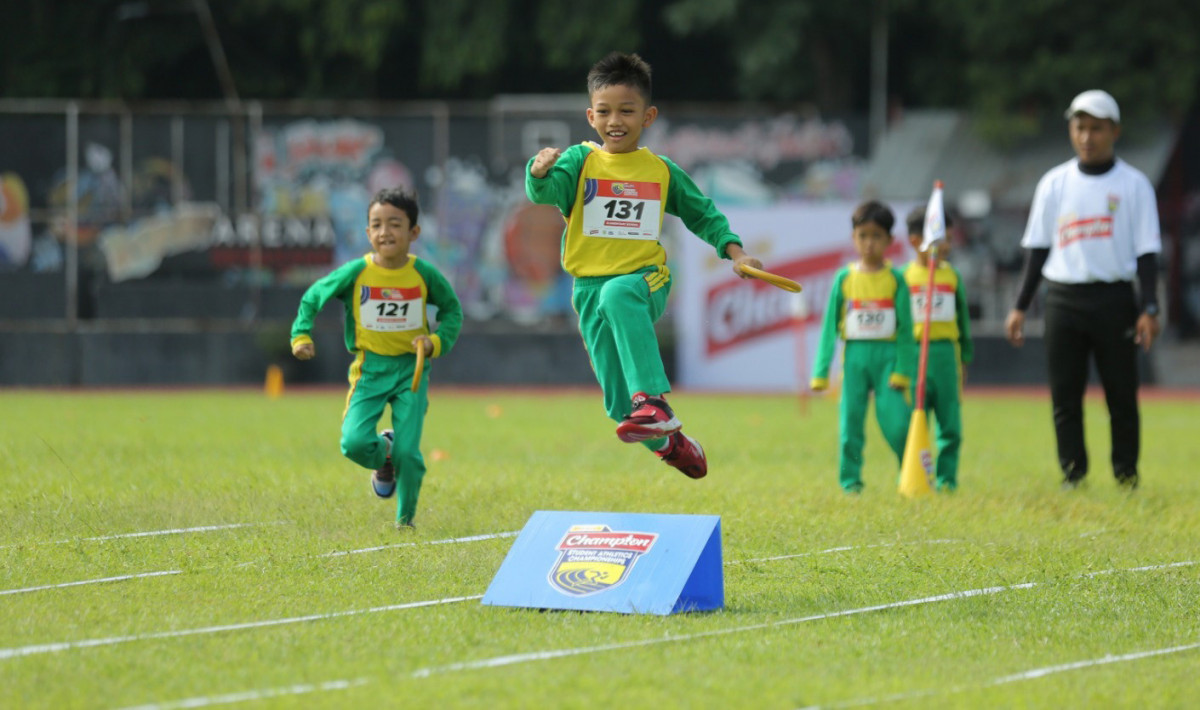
(923, 362)
(916, 466)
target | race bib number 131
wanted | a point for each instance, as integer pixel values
(622, 210)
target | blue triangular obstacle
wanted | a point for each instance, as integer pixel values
(632, 563)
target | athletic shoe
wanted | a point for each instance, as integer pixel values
(383, 481)
(1128, 479)
(651, 418)
(685, 453)
(1073, 476)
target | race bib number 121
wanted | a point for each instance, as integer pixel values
(386, 310)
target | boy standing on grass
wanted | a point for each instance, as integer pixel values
(950, 347)
(384, 295)
(613, 197)
(869, 309)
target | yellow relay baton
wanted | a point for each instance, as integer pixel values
(416, 383)
(774, 279)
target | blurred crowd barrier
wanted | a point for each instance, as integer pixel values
(194, 217)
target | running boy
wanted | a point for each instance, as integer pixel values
(869, 308)
(950, 347)
(384, 295)
(613, 197)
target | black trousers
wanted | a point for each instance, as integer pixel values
(1084, 322)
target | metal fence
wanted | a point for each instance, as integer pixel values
(105, 196)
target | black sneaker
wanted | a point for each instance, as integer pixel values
(1128, 479)
(1073, 476)
(383, 480)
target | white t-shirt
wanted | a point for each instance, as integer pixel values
(1095, 226)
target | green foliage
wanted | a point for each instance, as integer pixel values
(803, 562)
(568, 36)
(1012, 62)
(461, 39)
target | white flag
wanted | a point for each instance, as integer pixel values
(935, 219)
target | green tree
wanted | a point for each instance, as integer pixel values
(1014, 62)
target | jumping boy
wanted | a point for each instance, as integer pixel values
(950, 347)
(869, 308)
(384, 295)
(613, 197)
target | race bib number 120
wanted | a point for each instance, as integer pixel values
(870, 319)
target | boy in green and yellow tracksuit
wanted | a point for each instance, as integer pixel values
(868, 308)
(385, 294)
(613, 197)
(950, 346)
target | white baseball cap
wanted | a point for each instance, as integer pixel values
(1095, 103)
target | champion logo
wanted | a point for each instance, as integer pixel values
(594, 558)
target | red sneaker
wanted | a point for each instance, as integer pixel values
(651, 418)
(685, 454)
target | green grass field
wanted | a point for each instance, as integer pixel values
(1009, 593)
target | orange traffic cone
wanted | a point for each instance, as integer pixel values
(274, 382)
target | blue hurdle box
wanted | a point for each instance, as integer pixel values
(631, 563)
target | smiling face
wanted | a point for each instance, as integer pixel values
(871, 242)
(391, 233)
(1093, 138)
(619, 114)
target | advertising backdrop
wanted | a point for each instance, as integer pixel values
(744, 334)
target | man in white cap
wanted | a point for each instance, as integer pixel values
(1092, 231)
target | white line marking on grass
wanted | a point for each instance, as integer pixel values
(1014, 678)
(497, 661)
(247, 695)
(121, 578)
(845, 548)
(447, 541)
(6, 653)
(152, 533)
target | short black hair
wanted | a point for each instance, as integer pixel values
(401, 199)
(618, 69)
(873, 211)
(916, 220)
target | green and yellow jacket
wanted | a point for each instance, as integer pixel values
(385, 308)
(614, 204)
(873, 306)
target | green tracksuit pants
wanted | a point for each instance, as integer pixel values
(377, 381)
(867, 365)
(943, 395)
(616, 319)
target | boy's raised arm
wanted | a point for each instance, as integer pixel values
(702, 218)
(315, 298)
(551, 177)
